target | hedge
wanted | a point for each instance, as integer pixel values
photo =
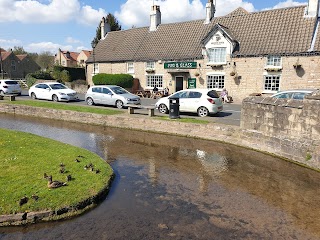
(122, 80)
(74, 73)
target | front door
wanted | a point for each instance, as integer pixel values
(179, 83)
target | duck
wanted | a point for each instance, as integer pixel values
(77, 160)
(62, 165)
(45, 176)
(69, 178)
(80, 156)
(55, 184)
(97, 171)
(62, 170)
(23, 200)
(35, 197)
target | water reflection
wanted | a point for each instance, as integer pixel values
(180, 188)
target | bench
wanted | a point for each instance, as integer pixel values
(11, 97)
(131, 108)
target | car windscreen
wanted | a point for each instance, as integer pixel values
(213, 94)
(118, 90)
(57, 86)
(11, 82)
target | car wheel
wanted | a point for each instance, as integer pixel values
(163, 108)
(55, 98)
(90, 101)
(119, 104)
(203, 112)
(33, 96)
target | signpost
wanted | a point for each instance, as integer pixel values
(180, 65)
(192, 83)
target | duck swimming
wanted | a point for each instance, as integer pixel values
(55, 184)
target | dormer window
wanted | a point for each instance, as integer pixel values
(273, 63)
(217, 56)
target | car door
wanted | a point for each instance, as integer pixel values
(106, 96)
(183, 100)
(42, 91)
(192, 102)
(96, 95)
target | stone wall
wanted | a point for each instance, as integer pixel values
(302, 150)
(290, 128)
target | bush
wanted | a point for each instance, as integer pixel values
(122, 80)
(65, 76)
(30, 80)
(74, 73)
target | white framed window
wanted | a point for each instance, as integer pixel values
(150, 65)
(217, 55)
(130, 67)
(13, 65)
(95, 68)
(274, 61)
(155, 81)
(271, 83)
(215, 81)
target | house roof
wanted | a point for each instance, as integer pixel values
(279, 31)
(4, 55)
(22, 56)
(70, 56)
(87, 52)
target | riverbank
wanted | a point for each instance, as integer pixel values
(307, 156)
(27, 195)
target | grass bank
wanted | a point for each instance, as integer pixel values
(66, 106)
(25, 158)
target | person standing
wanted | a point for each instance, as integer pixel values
(224, 95)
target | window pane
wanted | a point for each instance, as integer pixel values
(217, 55)
(150, 65)
(154, 81)
(272, 82)
(215, 81)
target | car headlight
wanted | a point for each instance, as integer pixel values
(61, 93)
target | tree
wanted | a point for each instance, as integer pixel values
(45, 60)
(114, 26)
(18, 50)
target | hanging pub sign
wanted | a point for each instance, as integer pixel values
(180, 65)
(192, 83)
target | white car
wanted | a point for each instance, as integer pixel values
(8, 86)
(111, 95)
(200, 101)
(52, 91)
(293, 94)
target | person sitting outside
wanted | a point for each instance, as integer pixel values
(166, 91)
(224, 95)
(154, 92)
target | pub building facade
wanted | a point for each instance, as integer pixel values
(246, 53)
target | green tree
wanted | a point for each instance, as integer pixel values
(114, 26)
(18, 50)
(45, 60)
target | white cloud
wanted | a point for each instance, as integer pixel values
(137, 12)
(288, 3)
(72, 40)
(9, 43)
(54, 11)
(46, 46)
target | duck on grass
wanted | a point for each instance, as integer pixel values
(40, 174)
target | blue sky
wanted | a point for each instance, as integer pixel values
(47, 25)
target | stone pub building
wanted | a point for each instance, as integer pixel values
(259, 52)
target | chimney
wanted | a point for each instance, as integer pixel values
(313, 9)
(155, 17)
(210, 10)
(105, 28)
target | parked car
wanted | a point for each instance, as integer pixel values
(8, 86)
(52, 91)
(111, 95)
(293, 94)
(200, 101)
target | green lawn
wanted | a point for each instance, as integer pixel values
(66, 106)
(24, 160)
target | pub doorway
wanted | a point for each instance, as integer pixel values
(179, 83)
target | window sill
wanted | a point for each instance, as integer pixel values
(273, 69)
(216, 64)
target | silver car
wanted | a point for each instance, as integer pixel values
(293, 94)
(8, 86)
(110, 95)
